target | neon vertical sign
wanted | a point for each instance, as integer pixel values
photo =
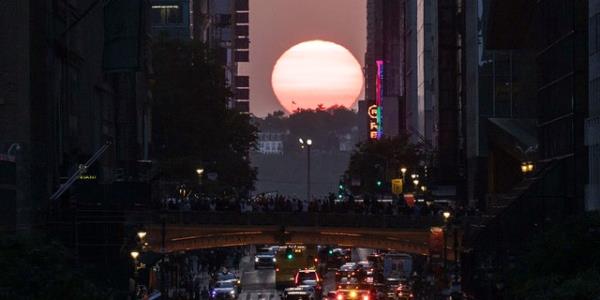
(375, 111)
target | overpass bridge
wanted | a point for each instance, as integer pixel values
(173, 231)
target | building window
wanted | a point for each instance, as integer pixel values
(166, 14)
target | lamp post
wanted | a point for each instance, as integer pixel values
(308, 144)
(200, 171)
(446, 215)
(403, 171)
(134, 254)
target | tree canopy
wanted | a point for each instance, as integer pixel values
(193, 126)
(322, 125)
(381, 160)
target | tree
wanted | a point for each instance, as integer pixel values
(376, 162)
(562, 263)
(193, 126)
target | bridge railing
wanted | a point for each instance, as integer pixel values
(288, 219)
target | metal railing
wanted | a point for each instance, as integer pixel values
(287, 219)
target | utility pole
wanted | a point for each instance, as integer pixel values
(308, 172)
(308, 144)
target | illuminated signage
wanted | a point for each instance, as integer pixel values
(375, 111)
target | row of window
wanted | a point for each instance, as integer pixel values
(166, 14)
(270, 147)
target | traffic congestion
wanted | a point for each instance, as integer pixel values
(327, 273)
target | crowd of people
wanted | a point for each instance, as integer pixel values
(279, 203)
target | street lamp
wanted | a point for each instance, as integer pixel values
(416, 183)
(446, 215)
(527, 167)
(403, 170)
(134, 254)
(423, 188)
(308, 145)
(141, 234)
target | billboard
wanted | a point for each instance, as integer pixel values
(375, 110)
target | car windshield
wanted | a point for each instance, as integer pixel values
(348, 267)
(303, 276)
(224, 284)
(227, 276)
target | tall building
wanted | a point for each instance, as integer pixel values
(533, 91)
(384, 68)
(420, 108)
(593, 121)
(67, 93)
(449, 95)
(496, 99)
(224, 25)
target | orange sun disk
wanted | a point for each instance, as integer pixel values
(316, 73)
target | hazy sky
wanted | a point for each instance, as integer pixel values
(276, 25)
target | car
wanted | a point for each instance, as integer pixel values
(314, 286)
(367, 266)
(392, 285)
(224, 290)
(265, 261)
(306, 274)
(349, 270)
(230, 277)
(404, 292)
(353, 294)
(297, 293)
(309, 277)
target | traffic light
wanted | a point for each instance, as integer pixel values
(341, 190)
(289, 253)
(330, 251)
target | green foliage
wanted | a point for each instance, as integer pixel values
(34, 268)
(192, 125)
(377, 162)
(322, 125)
(561, 264)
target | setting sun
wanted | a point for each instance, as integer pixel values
(317, 72)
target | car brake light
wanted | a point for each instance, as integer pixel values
(339, 297)
(365, 297)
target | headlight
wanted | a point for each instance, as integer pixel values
(232, 292)
(274, 259)
(256, 259)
